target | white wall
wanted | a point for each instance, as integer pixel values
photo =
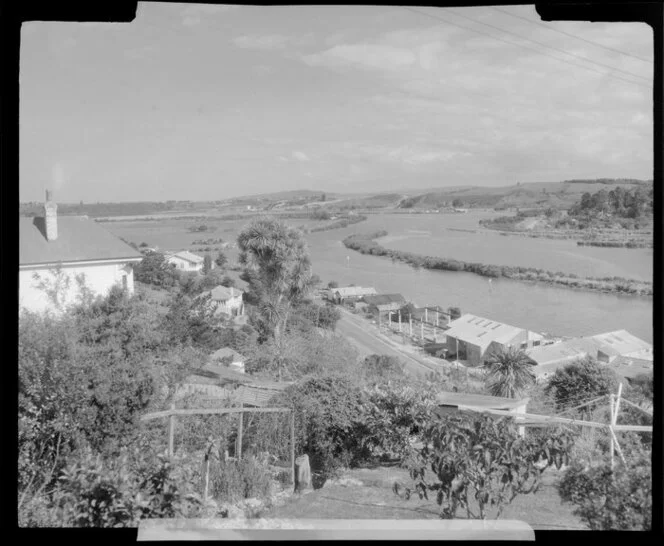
(98, 278)
(184, 265)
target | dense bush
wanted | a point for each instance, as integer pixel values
(234, 480)
(612, 500)
(155, 270)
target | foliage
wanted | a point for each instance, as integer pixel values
(94, 491)
(457, 203)
(228, 282)
(207, 264)
(221, 260)
(470, 462)
(279, 270)
(192, 321)
(154, 269)
(612, 500)
(327, 412)
(391, 414)
(333, 284)
(233, 480)
(581, 381)
(509, 373)
(382, 367)
(320, 316)
(618, 202)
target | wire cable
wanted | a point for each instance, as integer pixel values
(572, 35)
(524, 47)
(586, 59)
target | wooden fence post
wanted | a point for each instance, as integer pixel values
(426, 315)
(611, 429)
(171, 433)
(410, 323)
(239, 433)
(292, 446)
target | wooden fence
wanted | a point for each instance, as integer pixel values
(172, 413)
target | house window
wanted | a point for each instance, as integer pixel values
(524, 345)
(536, 343)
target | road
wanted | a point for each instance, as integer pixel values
(366, 339)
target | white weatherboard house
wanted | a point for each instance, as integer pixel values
(186, 261)
(58, 251)
(227, 301)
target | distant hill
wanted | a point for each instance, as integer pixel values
(523, 195)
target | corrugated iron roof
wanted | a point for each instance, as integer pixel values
(223, 293)
(384, 299)
(350, 291)
(188, 256)
(563, 351)
(462, 399)
(481, 331)
(621, 342)
(79, 239)
(225, 352)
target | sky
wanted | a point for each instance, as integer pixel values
(203, 102)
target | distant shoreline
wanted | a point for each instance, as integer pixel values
(365, 244)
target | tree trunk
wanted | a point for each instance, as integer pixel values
(302, 473)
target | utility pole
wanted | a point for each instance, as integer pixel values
(399, 320)
(426, 316)
(410, 323)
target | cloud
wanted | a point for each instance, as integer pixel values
(300, 156)
(373, 56)
(272, 41)
(193, 15)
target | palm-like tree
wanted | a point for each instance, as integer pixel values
(509, 373)
(277, 258)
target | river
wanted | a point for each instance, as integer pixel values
(538, 307)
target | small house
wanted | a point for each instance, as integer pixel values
(611, 345)
(343, 294)
(383, 303)
(226, 300)
(186, 261)
(69, 251)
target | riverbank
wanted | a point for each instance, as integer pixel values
(341, 223)
(366, 244)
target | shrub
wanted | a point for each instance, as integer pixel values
(232, 480)
(611, 500)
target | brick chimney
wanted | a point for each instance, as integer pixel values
(50, 218)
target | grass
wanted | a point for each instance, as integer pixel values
(374, 499)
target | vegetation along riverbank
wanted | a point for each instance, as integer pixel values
(365, 244)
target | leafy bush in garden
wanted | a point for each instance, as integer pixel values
(93, 491)
(233, 480)
(327, 415)
(391, 414)
(480, 464)
(612, 500)
(581, 381)
(154, 269)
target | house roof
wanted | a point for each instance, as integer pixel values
(629, 367)
(186, 255)
(481, 331)
(621, 342)
(223, 374)
(222, 293)
(350, 291)
(481, 401)
(79, 239)
(225, 352)
(384, 299)
(563, 351)
(258, 395)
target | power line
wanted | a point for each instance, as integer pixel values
(586, 59)
(572, 35)
(524, 46)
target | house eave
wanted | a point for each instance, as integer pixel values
(43, 265)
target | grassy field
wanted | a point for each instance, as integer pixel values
(367, 494)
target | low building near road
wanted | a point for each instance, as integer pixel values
(382, 303)
(61, 251)
(342, 294)
(473, 339)
(449, 402)
(185, 260)
(626, 354)
(225, 301)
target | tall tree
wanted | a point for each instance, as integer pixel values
(278, 267)
(509, 373)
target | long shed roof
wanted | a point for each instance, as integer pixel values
(481, 331)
